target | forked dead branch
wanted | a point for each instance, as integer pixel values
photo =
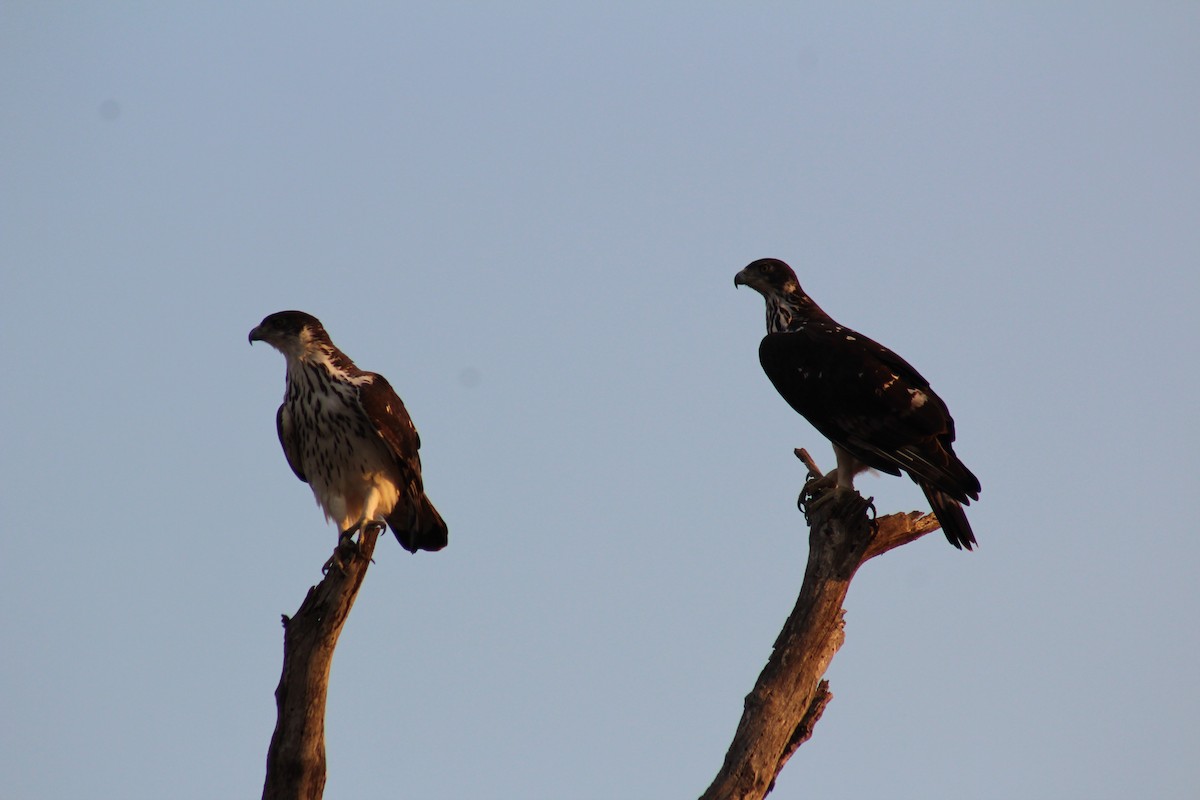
(791, 694)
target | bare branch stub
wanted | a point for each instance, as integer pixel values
(296, 757)
(791, 694)
(900, 529)
(813, 470)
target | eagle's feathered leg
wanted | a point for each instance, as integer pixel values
(837, 485)
(369, 520)
(371, 517)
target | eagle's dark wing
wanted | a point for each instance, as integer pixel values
(387, 413)
(415, 521)
(870, 402)
(289, 440)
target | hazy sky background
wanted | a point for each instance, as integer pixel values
(528, 217)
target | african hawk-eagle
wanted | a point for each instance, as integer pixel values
(346, 434)
(869, 402)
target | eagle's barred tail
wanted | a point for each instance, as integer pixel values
(424, 530)
(434, 533)
(951, 516)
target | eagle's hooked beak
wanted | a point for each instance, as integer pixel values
(256, 334)
(741, 279)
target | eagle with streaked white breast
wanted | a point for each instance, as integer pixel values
(347, 435)
(877, 410)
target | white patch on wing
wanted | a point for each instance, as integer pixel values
(918, 397)
(895, 378)
(340, 374)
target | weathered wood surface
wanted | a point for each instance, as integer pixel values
(296, 757)
(790, 695)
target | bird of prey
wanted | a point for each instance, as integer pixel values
(877, 410)
(347, 435)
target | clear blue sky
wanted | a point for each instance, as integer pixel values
(528, 217)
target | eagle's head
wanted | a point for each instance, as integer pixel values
(292, 333)
(768, 276)
(788, 307)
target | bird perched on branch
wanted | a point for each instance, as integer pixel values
(346, 434)
(877, 410)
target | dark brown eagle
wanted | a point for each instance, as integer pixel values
(870, 403)
(346, 434)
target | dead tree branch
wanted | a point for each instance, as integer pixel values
(296, 757)
(790, 695)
